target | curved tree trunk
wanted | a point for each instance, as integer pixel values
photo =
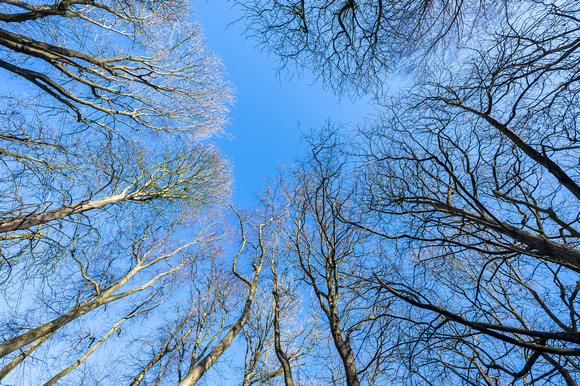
(205, 364)
(277, 346)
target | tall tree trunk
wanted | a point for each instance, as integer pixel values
(22, 356)
(197, 371)
(32, 219)
(344, 350)
(205, 364)
(277, 346)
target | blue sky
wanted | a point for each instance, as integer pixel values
(269, 112)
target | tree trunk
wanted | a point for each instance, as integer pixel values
(277, 346)
(22, 356)
(32, 219)
(205, 364)
(345, 353)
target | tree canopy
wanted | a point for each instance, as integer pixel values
(110, 193)
(436, 243)
(467, 179)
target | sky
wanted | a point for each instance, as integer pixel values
(269, 112)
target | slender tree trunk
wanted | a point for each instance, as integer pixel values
(163, 351)
(91, 350)
(277, 346)
(541, 159)
(55, 324)
(46, 329)
(205, 364)
(22, 356)
(344, 350)
(563, 372)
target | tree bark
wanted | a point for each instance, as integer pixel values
(22, 356)
(541, 159)
(30, 220)
(344, 350)
(52, 326)
(205, 364)
(197, 371)
(277, 346)
(553, 252)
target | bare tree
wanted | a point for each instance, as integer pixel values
(113, 64)
(146, 273)
(281, 334)
(479, 166)
(470, 178)
(334, 256)
(185, 340)
(105, 184)
(352, 45)
(258, 253)
(103, 65)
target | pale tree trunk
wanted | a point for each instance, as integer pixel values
(30, 220)
(49, 328)
(22, 356)
(156, 358)
(75, 313)
(78, 362)
(138, 310)
(197, 371)
(204, 365)
(165, 349)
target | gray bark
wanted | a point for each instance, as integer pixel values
(22, 356)
(277, 346)
(205, 364)
(30, 220)
(554, 252)
(197, 371)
